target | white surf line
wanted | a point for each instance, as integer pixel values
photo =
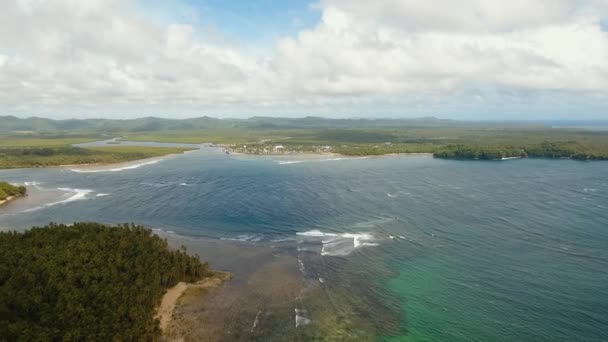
(256, 321)
(78, 195)
(117, 169)
(318, 160)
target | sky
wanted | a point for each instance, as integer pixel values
(466, 59)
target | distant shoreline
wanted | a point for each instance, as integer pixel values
(125, 163)
(231, 150)
(108, 167)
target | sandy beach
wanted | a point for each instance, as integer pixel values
(259, 297)
(172, 298)
(8, 199)
(114, 167)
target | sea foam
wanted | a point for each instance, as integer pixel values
(76, 195)
(338, 244)
(287, 162)
(244, 238)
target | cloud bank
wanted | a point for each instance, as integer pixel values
(86, 58)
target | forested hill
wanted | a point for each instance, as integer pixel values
(87, 282)
(153, 124)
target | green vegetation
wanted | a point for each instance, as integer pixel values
(41, 141)
(479, 152)
(259, 135)
(87, 282)
(443, 142)
(8, 190)
(21, 157)
(571, 150)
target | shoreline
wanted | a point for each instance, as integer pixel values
(102, 165)
(331, 154)
(171, 299)
(10, 199)
(264, 279)
(229, 150)
(94, 167)
(112, 164)
(125, 163)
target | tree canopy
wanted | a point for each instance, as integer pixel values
(7, 190)
(87, 282)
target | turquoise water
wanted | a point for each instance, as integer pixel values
(405, 248)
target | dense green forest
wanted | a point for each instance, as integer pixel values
(87, 282)
(571, 150)
(8, 190)
(41, 156)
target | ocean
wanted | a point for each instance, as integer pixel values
(396, 248)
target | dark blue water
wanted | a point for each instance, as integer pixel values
(448, 250)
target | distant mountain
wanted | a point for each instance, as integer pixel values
(42, 125)
(152, 124)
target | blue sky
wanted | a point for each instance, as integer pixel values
(255, 23)
(481, 60)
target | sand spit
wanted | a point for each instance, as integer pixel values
(171, 299)
(8, 199)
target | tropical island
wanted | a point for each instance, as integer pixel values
(37, 142)
(88, 281)
(9, 192)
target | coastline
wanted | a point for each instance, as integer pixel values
(265, 284)
(9, 199)
(101, 167)
(328, 154)
(123, 163)
(424, 154)
(275, 292)
(172, 298)
(110, 164)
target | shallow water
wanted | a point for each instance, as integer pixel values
(394, 248)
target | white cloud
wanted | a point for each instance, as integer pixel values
(105, 55)
(402, 46)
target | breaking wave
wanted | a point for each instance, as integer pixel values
(338, 244)
(76, 195)
(244, 238)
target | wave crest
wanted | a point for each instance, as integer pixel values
(338, 244)
(77, 195)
